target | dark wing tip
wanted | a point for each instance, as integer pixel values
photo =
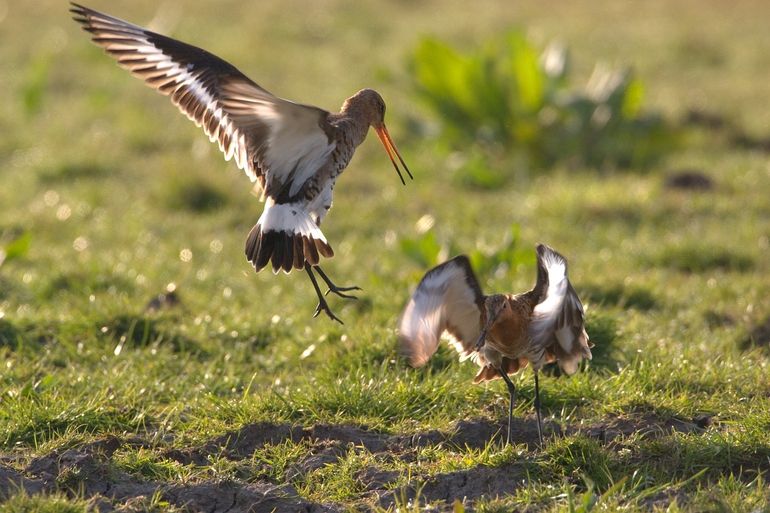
(462, 259)
(80, 10)
(470, 277)
(545, 252)
(544, 249)
(84, 16)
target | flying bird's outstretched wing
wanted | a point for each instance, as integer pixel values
(448, 298)
(558, 322)
(278, 143)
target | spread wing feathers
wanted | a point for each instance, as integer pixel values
(557, 329)
(449, 299)
(274, 141)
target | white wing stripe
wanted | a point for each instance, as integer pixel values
(443, 295)
(161, 71)
(557, 322)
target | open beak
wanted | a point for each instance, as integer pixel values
(481, 340)
(387, 142)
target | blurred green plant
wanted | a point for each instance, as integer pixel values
(17, 247)
(491, 261)
(426, 250)
(35, 83)
(505, 104)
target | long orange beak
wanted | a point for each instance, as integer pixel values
(387, 142)
(483, 335)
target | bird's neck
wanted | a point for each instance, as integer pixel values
(354, 128)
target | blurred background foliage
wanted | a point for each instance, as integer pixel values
(506, 104)
(427, 249)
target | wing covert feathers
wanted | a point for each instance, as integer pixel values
(277, 143)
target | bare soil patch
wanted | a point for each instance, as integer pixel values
(87, 471)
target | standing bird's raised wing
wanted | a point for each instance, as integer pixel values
(557, 328)
(276, 142)
(448, 298)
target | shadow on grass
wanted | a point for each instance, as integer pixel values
(140, 331)
(193, 194)
(759, 336)
(7, 288)
(602, 332)
(72, 171)
(715, 319)
(736, 136)
(682, 455)
(126, 330)
(18, 336)
(698, 259)
(83, 282)
(619, 296)
(9, 335)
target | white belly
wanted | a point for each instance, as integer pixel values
(320, 205)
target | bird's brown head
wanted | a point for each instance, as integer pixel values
(367, 105)
(494, 306)
(370, 107)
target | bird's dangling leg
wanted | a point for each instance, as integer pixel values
(537, 411)
(334, 288)
(512, 393)
(322, 304)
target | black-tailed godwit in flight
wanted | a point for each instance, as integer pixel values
(294, 152)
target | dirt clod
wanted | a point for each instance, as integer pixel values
(12, 481)
(463, 485)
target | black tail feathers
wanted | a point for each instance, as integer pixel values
(286, 250)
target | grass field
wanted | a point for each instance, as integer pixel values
(236, 398)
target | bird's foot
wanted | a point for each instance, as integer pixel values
(323, 306)
(340, 291)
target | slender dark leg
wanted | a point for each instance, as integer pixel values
(512, 393)
(537, 410)
(322, 305)
(334, 288)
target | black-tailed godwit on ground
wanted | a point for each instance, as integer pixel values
(502, 333)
